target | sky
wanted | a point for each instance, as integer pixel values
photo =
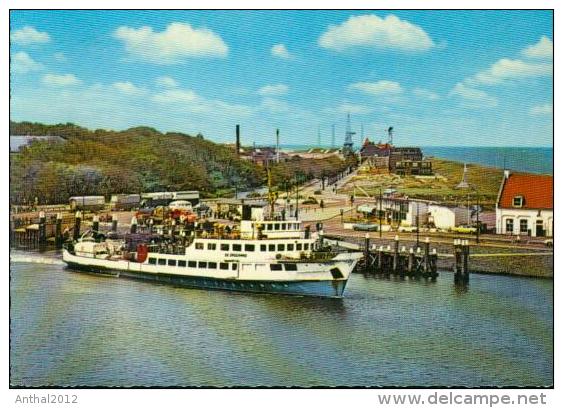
(440, 78)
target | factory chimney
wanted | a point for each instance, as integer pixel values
(237, 143)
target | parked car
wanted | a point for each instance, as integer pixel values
(465, 229)
(365, 227)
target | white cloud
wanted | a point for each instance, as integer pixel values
(60, 80)
(22, 63)
(507, 69)
(128, 88)
(474, 98)
(373, 31)
(170, 46)
(60, 56)
(426, 94)
(29, 35)
(273, 90)
(280, 51)
(274, 105)
(166, 81)
(188, 100)
(542, 49)
(545, 109)
(377, 88)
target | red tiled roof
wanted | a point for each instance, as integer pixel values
(536, 189)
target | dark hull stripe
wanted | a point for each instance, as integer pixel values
(334, 288)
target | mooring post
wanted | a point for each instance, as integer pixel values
(427, 255)
(59, 231)
(465, 265)
(133, 225)
(114, 223)
(411, 261)
(95, 225)
(42, 228)
(396, 255)
(366, 251)
(380, 259)
(76, 232)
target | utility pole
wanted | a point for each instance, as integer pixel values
(417, 224)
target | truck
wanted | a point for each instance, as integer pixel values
(91, 203)
(125, 201)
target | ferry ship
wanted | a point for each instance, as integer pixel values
(264, 256)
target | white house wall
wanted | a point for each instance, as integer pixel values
(502, 214)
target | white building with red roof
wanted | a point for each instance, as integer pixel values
(525, 205)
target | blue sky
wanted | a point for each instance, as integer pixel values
(437, 77)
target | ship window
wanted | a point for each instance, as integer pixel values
(263, 248)
(237, 247)
(299, 247)
(199, 245)
(162, 261)
(212, 247)
(212, 265)
(290, 267)
(192, 264)
(284, 226)
(202, 265)
(249, 248)
(268, 227)
(290, 247)
(224, 266)
(281, 247)
(271, 247)
(277, 227)
(152, 261)
(275, 267)
(182, 263)
(224, 247)
(171, 262)
(234, 266)
(306, 247)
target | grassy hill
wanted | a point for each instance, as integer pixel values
(139, 159)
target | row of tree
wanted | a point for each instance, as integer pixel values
(141, 159)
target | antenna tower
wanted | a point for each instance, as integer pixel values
(348, 143)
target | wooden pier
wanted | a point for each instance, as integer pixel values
(398, 260)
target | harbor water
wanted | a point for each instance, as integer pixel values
(77, 329)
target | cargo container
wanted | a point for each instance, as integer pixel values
(92, 203)
(125, 201)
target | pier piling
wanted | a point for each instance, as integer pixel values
(114, 223)
(59, 231)
(76, 231)
(42, 228)
(95, 225)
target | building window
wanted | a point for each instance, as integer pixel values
(152, 261)
(523, 226)
(224, 247)
(509, 225)
(224, 266)
(182, 264)
(192, 264)
(237, 247)
(171, 262)
(249, 248)
(162, 261)
(518, 201)
(199, 245)
(212, 247)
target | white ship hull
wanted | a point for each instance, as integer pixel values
(296, 277)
